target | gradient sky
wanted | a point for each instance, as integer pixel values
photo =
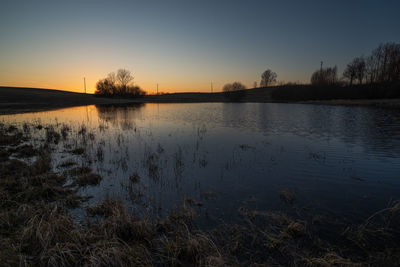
(184, 45)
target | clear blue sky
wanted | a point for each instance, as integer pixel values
(184, 45)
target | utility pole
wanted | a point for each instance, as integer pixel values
(84, 83)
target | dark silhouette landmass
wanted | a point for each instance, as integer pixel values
(18, 100)
(21, 99)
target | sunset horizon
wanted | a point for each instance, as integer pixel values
(184, 47)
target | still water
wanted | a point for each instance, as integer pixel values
(342, 161)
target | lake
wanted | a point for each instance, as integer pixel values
(226, 157)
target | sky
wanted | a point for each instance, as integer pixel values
(185, 45)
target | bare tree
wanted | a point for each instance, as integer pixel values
(112, 77)
(371, 69)
(236, 86)
(384, 63)
(118, 85)
(234, 91)
(227, 88)
(355, 70)
(324, 76)
(124, 77)
(230, 87)
(267, 78)
(255, 85)
(359, 64)
(350, 72)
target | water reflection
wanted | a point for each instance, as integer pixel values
(122, 116)
(342, 159)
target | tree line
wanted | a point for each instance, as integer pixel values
(382, 66)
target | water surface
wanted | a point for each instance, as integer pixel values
(344, 161)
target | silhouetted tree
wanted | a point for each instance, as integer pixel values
(112, 77)
(118, 85)
(267, 78)
(124, 78)
(324, 76)
(350, 72)
(236, 86)
(359, 63)
(105, 87)
(355, 70)
(234, 91)
(383, 65)
(371, 69)
(255, 85)
(230, 87)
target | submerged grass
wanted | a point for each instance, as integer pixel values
(37, 229)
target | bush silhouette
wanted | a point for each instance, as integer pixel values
(119, 84)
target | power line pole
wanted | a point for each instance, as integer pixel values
(84, 83)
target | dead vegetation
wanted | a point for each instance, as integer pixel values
(37, 229)
(287, 196)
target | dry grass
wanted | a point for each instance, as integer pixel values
(134, 178)
(287, 196)
(36, 228)
(88, 179)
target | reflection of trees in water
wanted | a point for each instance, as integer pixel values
(373, 129)
(379, 130)
(238, 115)
(122, 116)
(376, 130)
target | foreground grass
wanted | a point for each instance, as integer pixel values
(37, 228)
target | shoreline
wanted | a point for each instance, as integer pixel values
(15, 100)
(379, 103)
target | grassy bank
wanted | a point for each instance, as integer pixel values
(38, 228)
(290, 93)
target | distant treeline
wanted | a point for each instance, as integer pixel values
(382, 66)
(375, 76)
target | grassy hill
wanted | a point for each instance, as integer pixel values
(20, 99)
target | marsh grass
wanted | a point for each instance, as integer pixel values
(37, 228)
(100, 154)
(287, 196)
(67, 164)
(52, 136)
(78, 151)
(65, 129)
(88, 179)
